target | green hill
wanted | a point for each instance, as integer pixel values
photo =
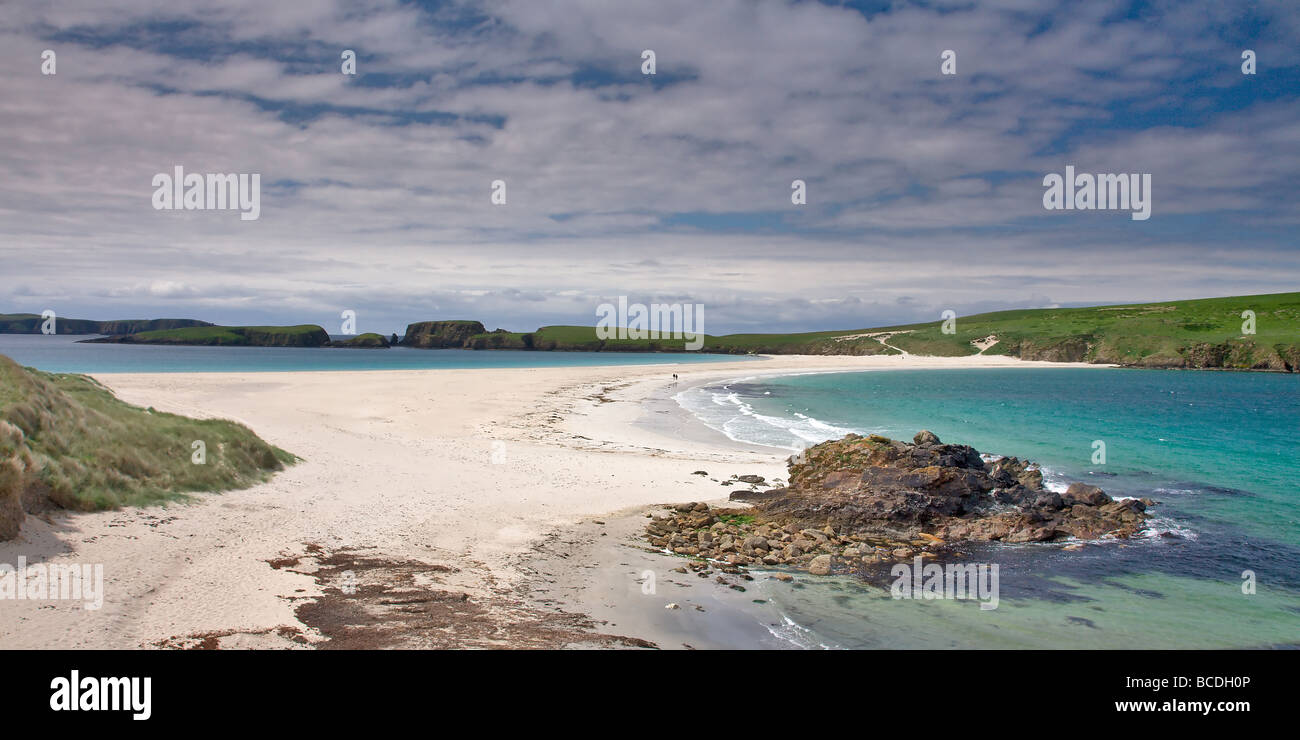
(1204, 333)
(303, 335)
(30, 323)
(68, 442)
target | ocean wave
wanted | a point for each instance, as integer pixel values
(790, 631)
(1160, 527)
(724, 409)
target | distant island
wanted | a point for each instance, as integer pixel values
(30, 323)
(303, 335)
(1210, 333)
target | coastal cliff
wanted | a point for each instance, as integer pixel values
(441, 334)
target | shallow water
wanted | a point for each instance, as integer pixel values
(1218, 451)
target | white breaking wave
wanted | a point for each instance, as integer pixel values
(1162, 526)
(725, 411)
(798, 635)
(1054, 481)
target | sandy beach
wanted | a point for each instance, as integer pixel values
(418, 516)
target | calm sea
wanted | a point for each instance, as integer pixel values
(1219, 451)
(65, 354)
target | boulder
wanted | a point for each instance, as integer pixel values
(820, 565)
(1081, 493)
(925, 437)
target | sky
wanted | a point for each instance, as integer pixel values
(924, 190)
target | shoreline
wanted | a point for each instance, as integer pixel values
(447, 479)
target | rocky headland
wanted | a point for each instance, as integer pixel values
(859, 501)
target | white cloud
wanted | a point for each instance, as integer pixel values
(919, 186)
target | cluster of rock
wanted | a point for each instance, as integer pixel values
(876, 485)
(733, 538)
(863, 500)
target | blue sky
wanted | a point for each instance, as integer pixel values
(924, 190)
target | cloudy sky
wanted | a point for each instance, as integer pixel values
(924, 190)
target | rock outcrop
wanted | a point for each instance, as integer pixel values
(859, 501)
(879, 486)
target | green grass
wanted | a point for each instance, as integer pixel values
(1196, 333)
(736, 520)
(66, 441)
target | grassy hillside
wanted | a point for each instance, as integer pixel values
(67, 442)
(1204, 333)
(30, 323)
(303, 335)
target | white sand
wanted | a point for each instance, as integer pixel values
(399, 462)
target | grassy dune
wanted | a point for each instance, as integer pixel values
(67, 442)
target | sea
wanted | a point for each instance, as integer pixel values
(1218, 565)
(66, 353)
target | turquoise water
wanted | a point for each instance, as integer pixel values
(1219, 451)
(64, 354)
